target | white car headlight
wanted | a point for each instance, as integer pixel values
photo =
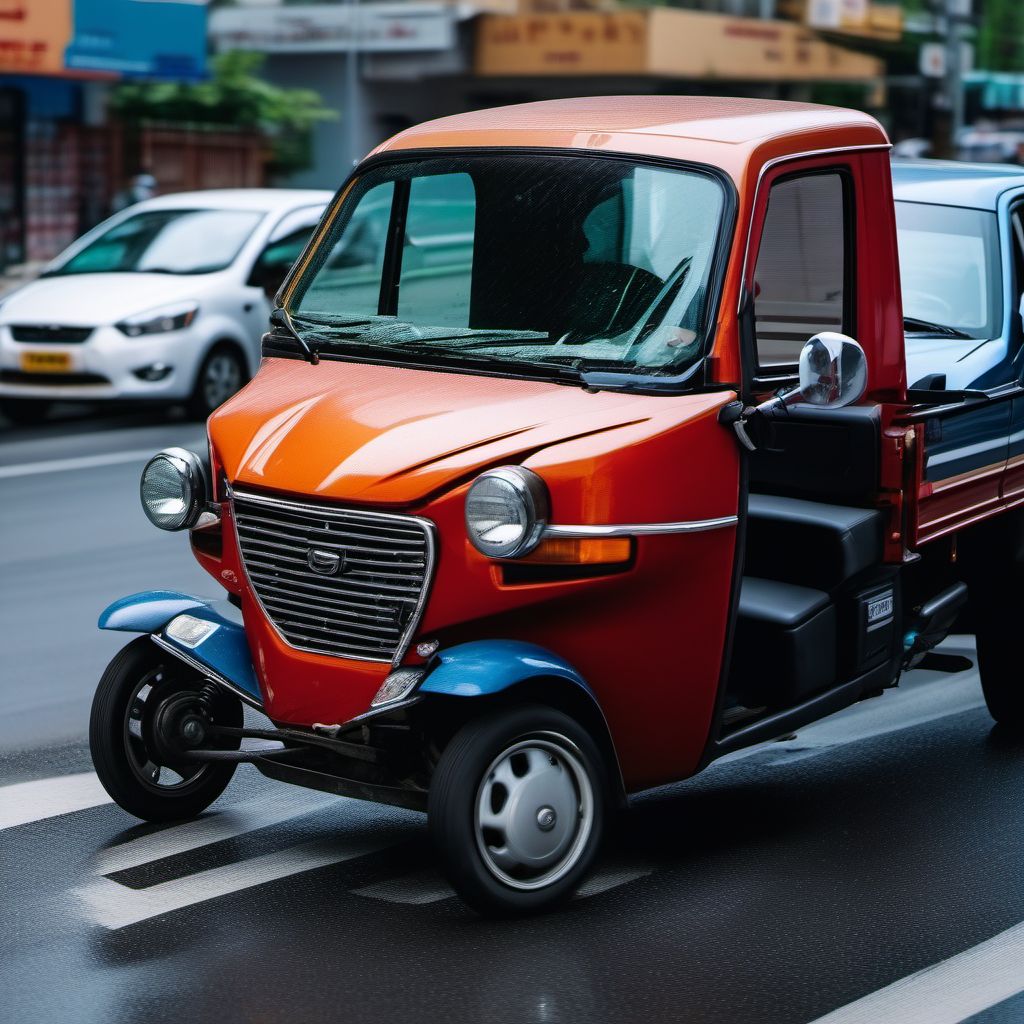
(174, 489)
(506, 512)
(160, 321)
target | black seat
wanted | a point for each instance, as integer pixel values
(785, 647)
(810, 543)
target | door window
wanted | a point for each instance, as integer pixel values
(437, 255)
(801, 274)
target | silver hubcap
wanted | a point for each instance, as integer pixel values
(222, 379)
(534, 811)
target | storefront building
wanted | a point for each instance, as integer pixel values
(385, 66)
(58, 58)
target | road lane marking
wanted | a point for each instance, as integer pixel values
(115, 906)
(948, 992)
(235, 820)
(420, 887)
(610, 878)
(25, 802)
(80, 462)
(427, 886)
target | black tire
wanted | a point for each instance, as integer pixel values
(465, 848)
(117, 754)
(222, 373)
(1002, 671)
(25, 412)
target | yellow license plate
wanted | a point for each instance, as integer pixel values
(46, 362)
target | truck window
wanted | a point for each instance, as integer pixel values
(801, 267)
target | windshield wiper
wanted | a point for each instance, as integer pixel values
(458, 357)
(917, 326)
(279, 318)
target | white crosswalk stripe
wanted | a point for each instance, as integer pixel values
(116, 906)
(234, 821)
(611, 878)
(419, 887)
(113, 905)
(25, 802)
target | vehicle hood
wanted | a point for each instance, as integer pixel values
(395, 436)
(86, 300)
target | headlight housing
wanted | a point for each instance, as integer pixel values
(506, 512)
(160, 321)
(174, 489)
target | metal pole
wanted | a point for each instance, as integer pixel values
(352, 114)
(954, 75)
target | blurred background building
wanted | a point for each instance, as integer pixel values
(245, 92)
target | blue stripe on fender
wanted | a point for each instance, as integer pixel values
(225, 651)
(484, 667)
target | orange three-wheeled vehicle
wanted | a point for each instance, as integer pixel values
(563, 475)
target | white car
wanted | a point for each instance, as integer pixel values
(166, 300)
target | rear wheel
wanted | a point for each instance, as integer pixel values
(517, 810)
(141, 694)
(1002, 673)
(25, 411)
(221, 374)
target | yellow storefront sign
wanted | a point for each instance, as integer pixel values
(34, 35)
(663, 42)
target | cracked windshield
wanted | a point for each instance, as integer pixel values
(581, 264)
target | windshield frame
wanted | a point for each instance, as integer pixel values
(56, 267)
(693, 378)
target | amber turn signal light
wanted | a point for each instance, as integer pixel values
(581, 551)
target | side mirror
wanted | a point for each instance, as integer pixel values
(833, 371)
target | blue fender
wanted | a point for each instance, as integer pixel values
(484, 667)
(224, 651)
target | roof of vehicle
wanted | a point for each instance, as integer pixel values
(262, 199)
(724, 131)
(946, 183)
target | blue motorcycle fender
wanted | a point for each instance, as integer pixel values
(206, 634)
(483, 668)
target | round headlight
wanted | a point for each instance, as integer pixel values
(506, 511)
(174, 489)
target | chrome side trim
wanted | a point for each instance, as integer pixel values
(426, 525)
(640, 529)
(205, 670)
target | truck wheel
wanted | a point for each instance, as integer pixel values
(139, 689)
(517, 809)
(1002, 675)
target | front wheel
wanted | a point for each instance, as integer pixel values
(517, 810)
(142, 691)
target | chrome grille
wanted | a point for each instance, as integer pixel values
(364, 599)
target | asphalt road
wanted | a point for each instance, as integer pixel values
(870, 869)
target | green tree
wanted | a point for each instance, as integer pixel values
(236, 96)
(1001, 36)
